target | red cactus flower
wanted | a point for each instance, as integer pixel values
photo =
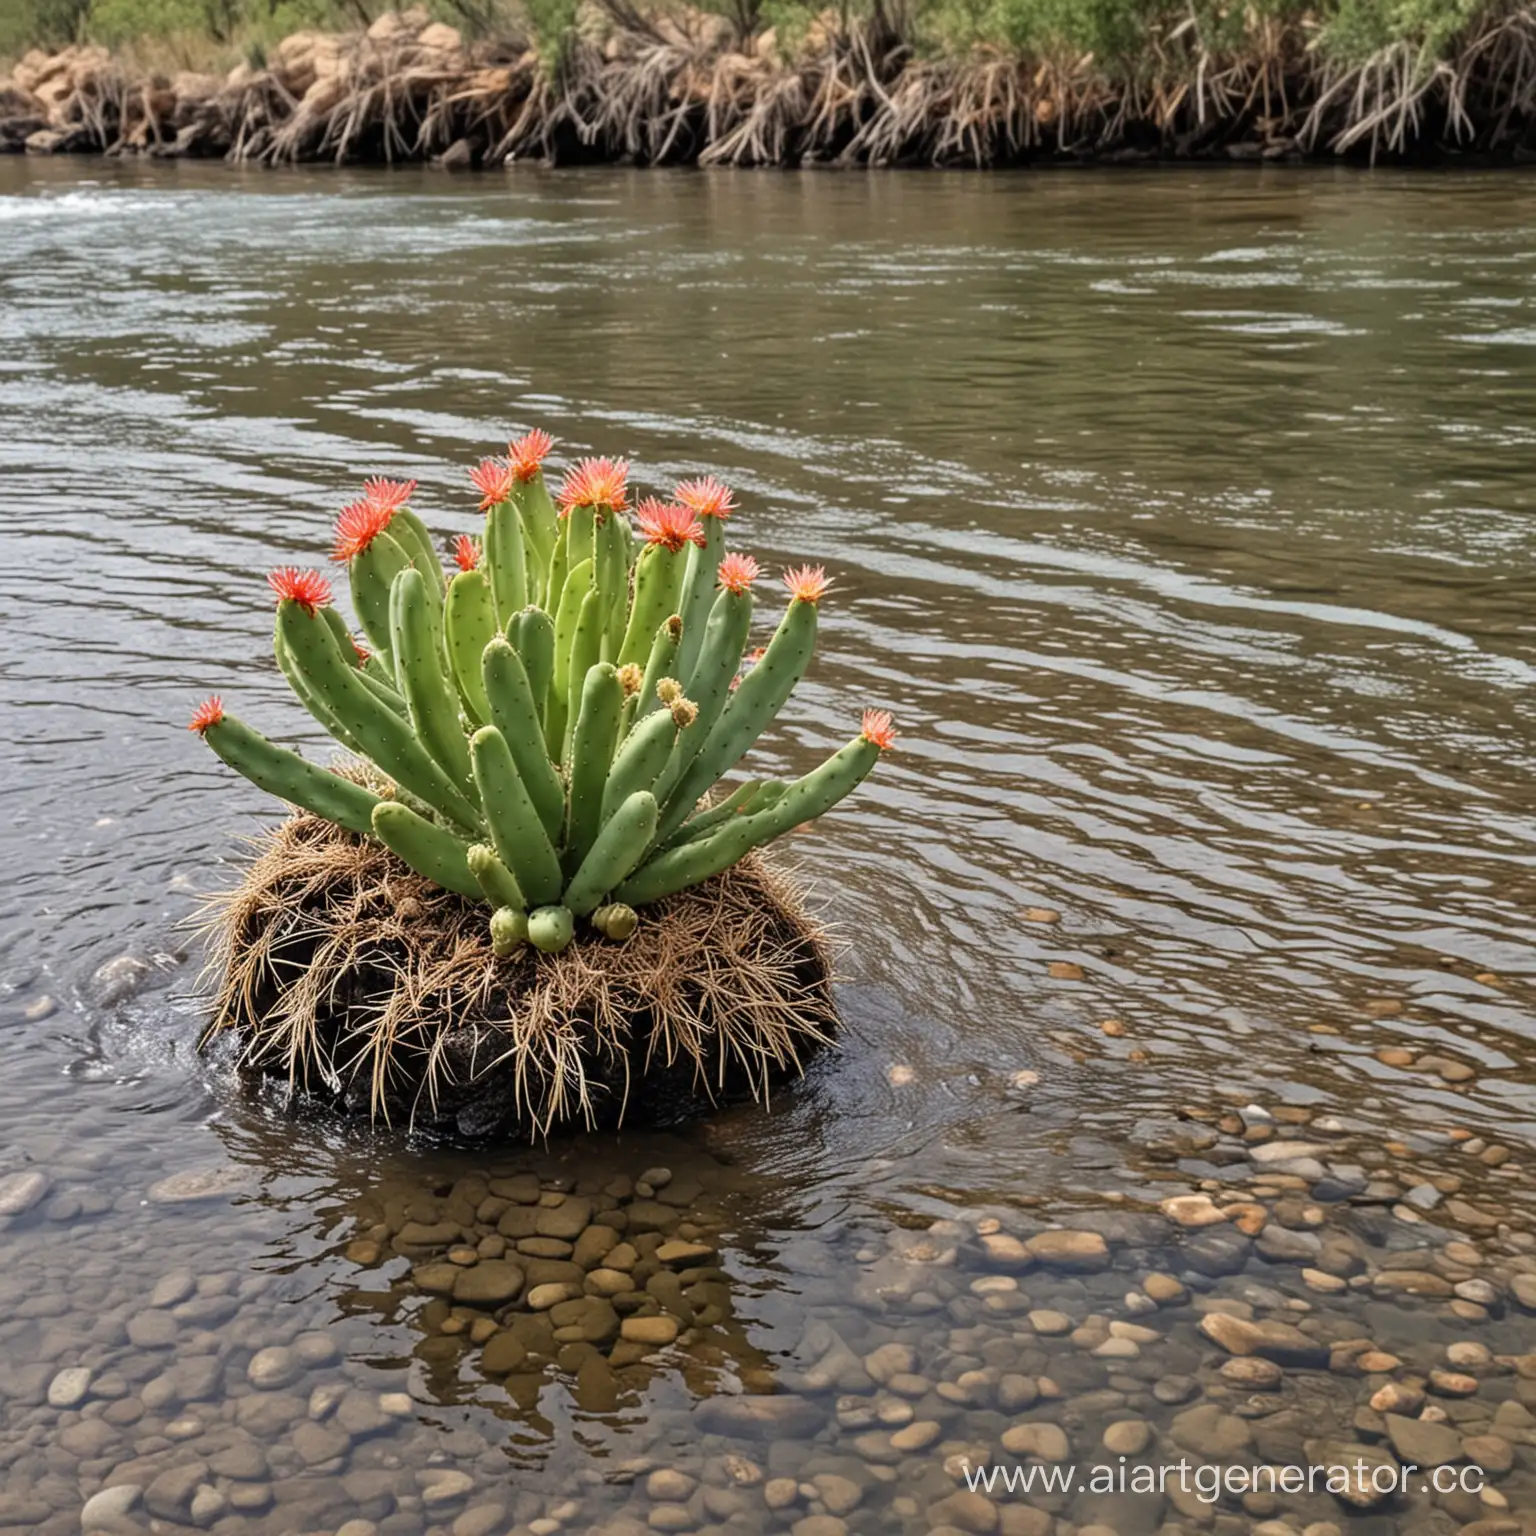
(309, 589)
(665, 522)
(388, 493)
(493, 480)
(706, 498)
(737, 572)
(879, 728)
(466, 553)
(363, 653)
(528, 453)
(756, 655)
(595, 483)
(209, 712)
(360, 523)
(807, 583)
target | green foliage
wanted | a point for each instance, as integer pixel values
(38, 23)
(1122, 36)
(1355, 29)
(121, 21)
(540, 738)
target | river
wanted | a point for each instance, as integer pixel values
(1184, 520)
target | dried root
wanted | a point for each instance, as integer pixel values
(341, 971)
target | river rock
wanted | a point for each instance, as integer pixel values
(193, 1184)
(1358, 1476)
(490, 1283)
(272, 1369)
(783, 1416)
(1127, 1437)
(1075, 1252)
(19, 1192)
(1208, 1431)
(1423, 1442)
(1272, 1340)
(443, 1485)
(651, 1331)
(109, 1509)
(1047, 1441)
(1192, 1211)
(70, 1387)
(170, 1495)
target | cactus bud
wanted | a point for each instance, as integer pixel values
(631, 676)
(509, 931)
(675, 626)
(684, 713)
(669, 690)
(616, 921)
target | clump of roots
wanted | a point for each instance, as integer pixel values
(343, 972)
(677, 84)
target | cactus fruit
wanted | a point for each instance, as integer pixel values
(616, 921)
(551, 928)
(553, 718)
(509, 931)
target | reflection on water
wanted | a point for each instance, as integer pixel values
(1184, 523)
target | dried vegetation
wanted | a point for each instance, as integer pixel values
(864, 87)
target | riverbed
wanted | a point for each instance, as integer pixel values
(1183, 520)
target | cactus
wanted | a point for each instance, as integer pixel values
(548, 726)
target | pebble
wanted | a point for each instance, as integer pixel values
(70, 1387)
(272, 1369)
(110, 1506)
(441, 1486)
(19, 1192)
(1128, 1437)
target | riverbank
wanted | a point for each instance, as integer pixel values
(690, 87)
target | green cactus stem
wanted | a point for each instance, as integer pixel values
(469, 625)
(730, 621)
(505, 560)
(383, 737)
(431, 698)
(541, 524)
(581, 534)
(494, 878)
(754, 796)
(577, 584)
(509, 931)
(286, 775)
(551, 928)
(559, 570)
(516, 831)
(613, 544)
(664, 649)
(586, 653)
(658, 577)
(592, 743)
(515, 715)
(619, 848)
(371, 572)
(432, 851)
(413, 537)
(698, 596)
(639, 762)
(677, 868)
(615, 921)
(308, 697)
(534, 641)
(748, 712)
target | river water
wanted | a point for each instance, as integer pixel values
(1184, 520)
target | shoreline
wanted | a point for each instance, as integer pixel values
(680, 90)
